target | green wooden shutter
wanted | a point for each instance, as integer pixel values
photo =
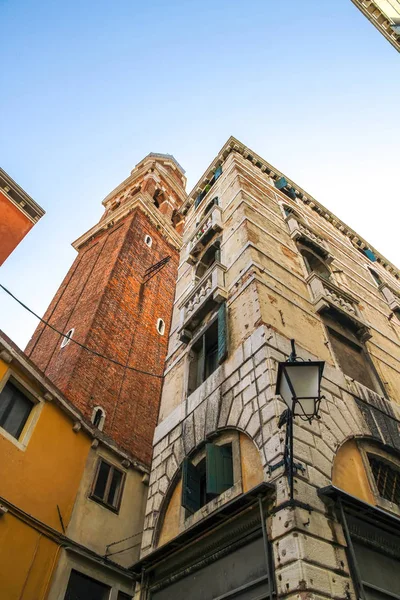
(222, 333)
(280, 183)
(219, 468)
(190, 486)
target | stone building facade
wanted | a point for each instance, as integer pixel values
(263, 262)
(117, 300)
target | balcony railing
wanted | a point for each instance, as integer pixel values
(207, 293)
(299, 231)
(208, 226)
(327, 295)
(392, 297)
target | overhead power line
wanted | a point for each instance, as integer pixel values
(94, 352)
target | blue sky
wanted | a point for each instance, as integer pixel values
(89, 88)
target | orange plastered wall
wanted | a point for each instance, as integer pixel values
(14, 226)
(48, 471)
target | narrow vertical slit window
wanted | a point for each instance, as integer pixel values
(67, 338)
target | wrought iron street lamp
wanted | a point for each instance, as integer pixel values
(299, 385)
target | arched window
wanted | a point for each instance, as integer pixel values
(211, 255)
(376, 277)
(67, 338)
(209, 206)
(315, 264)
(98, 417)
(148, 241)
(160, 326)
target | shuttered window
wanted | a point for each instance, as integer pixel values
(209, 478)
(209, 351)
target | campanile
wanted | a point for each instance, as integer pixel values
(117, 300)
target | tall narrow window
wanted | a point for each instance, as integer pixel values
(352, 358)
(107, 486)
(208, 351)
(315, 265)
(160, 326)
(98, 417)
(15, 409)
(212, 476)
(376, 277)
(211, 255)
(67, 338)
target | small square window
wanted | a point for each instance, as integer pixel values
(82, 587)
(107, 485)
(15, 409)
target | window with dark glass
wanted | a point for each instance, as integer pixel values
(315, 265)
(123, 596)
(352, 358)
(212, 255)
(81, 587)
(15, 409)
(387, 478)
(107, 486)
(209, 351)
(209, 478)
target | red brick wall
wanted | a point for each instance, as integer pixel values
(14, 226)
(102, 298)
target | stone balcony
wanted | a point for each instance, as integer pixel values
(206, 294)
(302, 233)
(392, 297)
(208, 226)
(326, 295)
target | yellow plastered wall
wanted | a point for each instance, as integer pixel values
(252, 475)
(349, 473)
(35, 479)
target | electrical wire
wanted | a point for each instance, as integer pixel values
(112, 360)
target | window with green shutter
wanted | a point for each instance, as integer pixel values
(219, 468)
(208, 351)
(209, 478)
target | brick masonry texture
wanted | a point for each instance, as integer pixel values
(103, 300)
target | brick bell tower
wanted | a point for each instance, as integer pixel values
(117, 299)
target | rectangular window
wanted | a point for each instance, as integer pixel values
(107, 486)
(209, 351)
(387, 479)
(123, 596)
(81, 587)
(352, 359)
(209, 478)
(15, 409)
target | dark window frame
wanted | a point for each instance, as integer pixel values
(391, 470)
(351, 338)
(211, 479)
(198, 348)
(115, 508)
(29, 397)
(80, 578)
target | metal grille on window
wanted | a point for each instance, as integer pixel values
(387, 479)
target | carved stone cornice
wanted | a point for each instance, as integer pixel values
(17, 196)
(233, 145)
